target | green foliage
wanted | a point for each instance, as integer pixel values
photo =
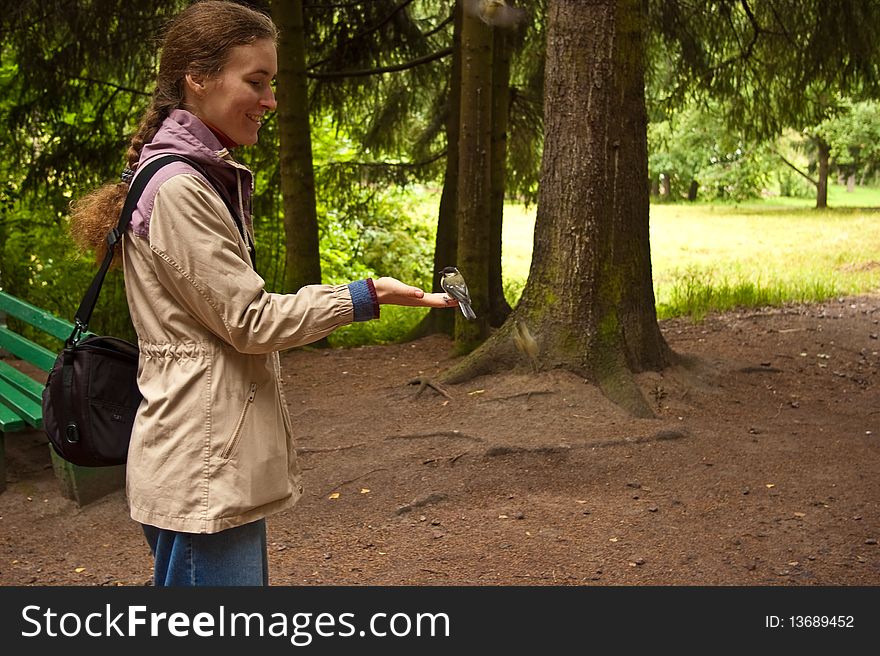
(696, 145)
(367, 226)
(769, 65)
(42, 267)
(854, 137)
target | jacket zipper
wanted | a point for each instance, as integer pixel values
(236, 434)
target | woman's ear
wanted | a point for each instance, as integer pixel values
(195, 82)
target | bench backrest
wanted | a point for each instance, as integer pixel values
(20, 395)
(24, 348)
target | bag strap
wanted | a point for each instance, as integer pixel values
(87, 305)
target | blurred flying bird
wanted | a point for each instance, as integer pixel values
(526, 344)
(495, 13)
(453, 284)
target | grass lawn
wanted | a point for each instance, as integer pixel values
(709, 257)
(716, 256)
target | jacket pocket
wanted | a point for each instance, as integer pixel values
(236, 434)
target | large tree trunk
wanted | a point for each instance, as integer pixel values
(589, 300)
(499, 308)
(474, 165)
(822, 186)
(303, 261)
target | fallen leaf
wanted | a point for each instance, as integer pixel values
(502, 516)
(613, 539)
(479, 391)
(769, 485)
(79, 570)
(335, 495)
(581, 500)
(800, 514)
(365, 490)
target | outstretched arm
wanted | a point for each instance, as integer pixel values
(391, 291)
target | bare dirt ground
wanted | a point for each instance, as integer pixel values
(761, 468)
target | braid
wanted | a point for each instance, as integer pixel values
(160, 106)
(150, 123)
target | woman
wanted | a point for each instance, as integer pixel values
(212, 451)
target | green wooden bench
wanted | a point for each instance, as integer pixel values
(21, 400)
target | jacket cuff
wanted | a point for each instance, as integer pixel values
(364, 299)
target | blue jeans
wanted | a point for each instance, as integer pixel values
(236, 556)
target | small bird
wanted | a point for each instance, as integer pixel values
(495, 13)
(453, 284)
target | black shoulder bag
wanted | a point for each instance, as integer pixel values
(91, 396)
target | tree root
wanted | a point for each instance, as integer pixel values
(427, 382)
(494, 355)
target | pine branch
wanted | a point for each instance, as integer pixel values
(118, 87)
(796, 169)
(413, 63)
(364, 32)
(385, 165)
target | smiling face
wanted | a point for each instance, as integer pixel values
(235, 100)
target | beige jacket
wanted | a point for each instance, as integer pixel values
(212, 446)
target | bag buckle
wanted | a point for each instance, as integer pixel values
(78, 329)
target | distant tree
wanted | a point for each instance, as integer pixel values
(769, 65)
(854, 140)
(302, 258)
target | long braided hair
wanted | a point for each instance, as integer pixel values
(198, 40)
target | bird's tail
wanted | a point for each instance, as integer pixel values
(466, 310)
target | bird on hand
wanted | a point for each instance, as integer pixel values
(453, 284)
(495, 13)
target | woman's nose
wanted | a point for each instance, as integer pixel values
(269, 101)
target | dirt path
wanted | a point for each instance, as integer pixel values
(761, 468)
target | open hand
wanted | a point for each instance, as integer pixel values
(390, 291)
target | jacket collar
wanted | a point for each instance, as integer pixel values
(184, 133)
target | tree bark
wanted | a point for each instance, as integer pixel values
(589, 301)
(499, 308)
(692, 190)
(474, 166)
(303, 262)
(822, 182)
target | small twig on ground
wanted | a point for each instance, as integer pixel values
(327, 449)
(529, 395)
(427, 382)
(422, 436)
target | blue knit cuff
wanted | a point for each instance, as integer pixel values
(363, 297)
